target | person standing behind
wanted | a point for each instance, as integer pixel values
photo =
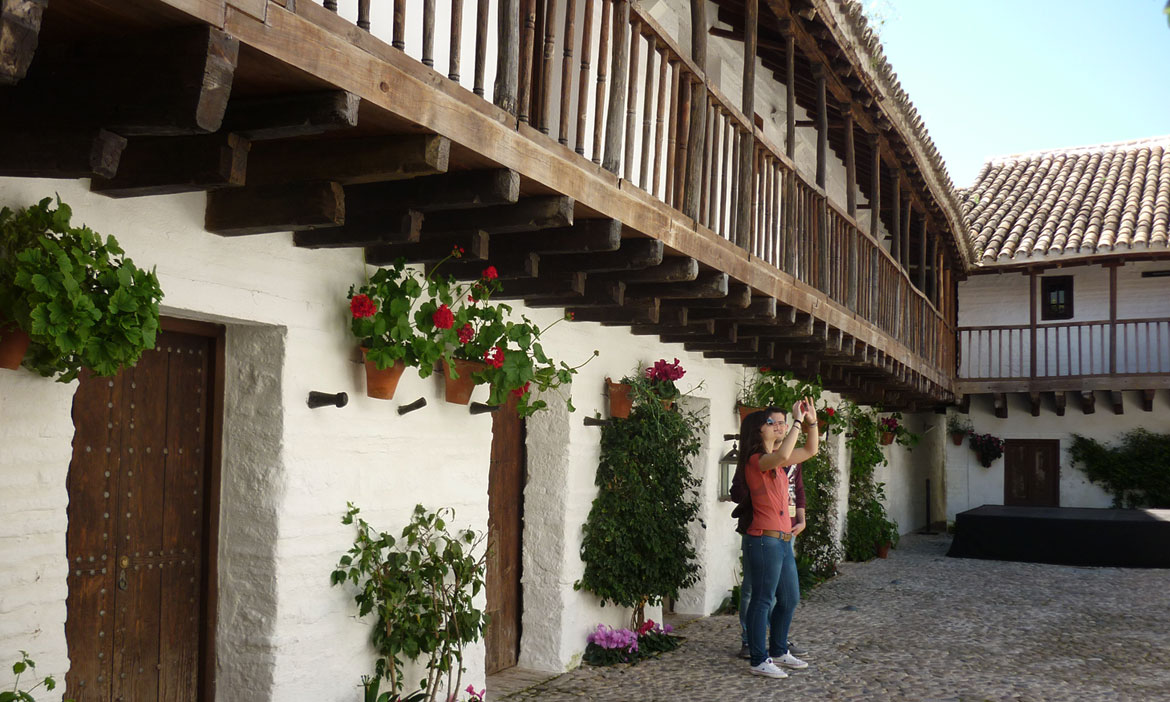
(767, 452)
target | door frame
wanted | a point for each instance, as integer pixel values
(1046, 443)
(213, 449)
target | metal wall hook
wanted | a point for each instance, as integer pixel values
(596, 422)
(481, 408)
(325, 399)
(417, 404)
(731, 437)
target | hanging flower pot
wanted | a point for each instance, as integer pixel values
(887, 438)
(458, 390)
(13, 345)
(620, 399)
(822, 426)
(957, 437)
(381, 384)
(744, 411)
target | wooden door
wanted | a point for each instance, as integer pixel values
(505, 529)
(137, 537)
(1031, 473)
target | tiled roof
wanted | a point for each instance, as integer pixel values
(1110, 198)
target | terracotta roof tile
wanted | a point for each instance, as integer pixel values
(1111, 198)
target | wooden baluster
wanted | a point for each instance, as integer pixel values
(747, 155)
(726, 168)
(770, 220)
(456, 39)
(331, 5)
(508, 57)
(583, 79)
(672, 135)
(699, 137)
(647, 113)
(617, 88)
(602, 55)
(428, 47)
(537, 80)
(527, 47)
(684, 132)
(567, 71)
(363, 20)
(708, 154)
(632, 100)
(399, 41)
(718, 161)
(736, 210)
(550, 46)
(922, 255)
(660, 126)
(481, 37)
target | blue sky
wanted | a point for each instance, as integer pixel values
(997, 77)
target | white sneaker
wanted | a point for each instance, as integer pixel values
(768, 669)
(790, 661)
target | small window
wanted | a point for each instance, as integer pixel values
(1056, 297)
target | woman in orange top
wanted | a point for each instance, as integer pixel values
(767, 451)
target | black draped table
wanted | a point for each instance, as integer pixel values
(1129, 538)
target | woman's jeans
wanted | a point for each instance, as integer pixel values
(775, 594)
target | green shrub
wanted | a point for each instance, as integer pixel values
(1135, 471)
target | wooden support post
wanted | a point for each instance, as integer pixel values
(875, 212)
(822, 126)
(1032, 323)
(906, 222)
(850, 165)
(292, 115)
(507, 56)
(20, 28)
(922, 254)
(747, 152)
(620, 69)
(82, 153)
(790, 95)
(274, 208)
(932, 265)
(896, 234)
(692, 193)
(167, 165)
(1112, 320)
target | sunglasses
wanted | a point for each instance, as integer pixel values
(769, 421)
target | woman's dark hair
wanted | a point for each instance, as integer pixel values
(749, 435)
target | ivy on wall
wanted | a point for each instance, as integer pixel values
(866, 524)
(637, 546)
(817, 551)
(1135, 471)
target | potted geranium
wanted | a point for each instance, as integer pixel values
(770, 387)
(987, 448)
(467, 326)
(70, 297)
(959, 427)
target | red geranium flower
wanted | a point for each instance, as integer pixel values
(361, 306)
(831, 412)
(443, 317)
(570, 316)
(522, 390)
(466, 333)
(765, 369)
(494, 357)
(490, 273)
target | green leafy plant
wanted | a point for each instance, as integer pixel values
(817, 550)
(420, 588)
(81, 301)
(957, 424)
(22, 666)
(1134, 470)
(637, 546)
(867, 525)
(769, 387)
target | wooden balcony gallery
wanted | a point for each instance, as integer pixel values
(574, 144)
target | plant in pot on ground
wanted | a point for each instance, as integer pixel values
(420, 588)
(81, 302)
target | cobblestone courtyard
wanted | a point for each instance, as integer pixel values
(920, 626)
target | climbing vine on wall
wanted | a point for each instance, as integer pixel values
(637, 546)
(1135, 470)
(866, 523)
(817, 551)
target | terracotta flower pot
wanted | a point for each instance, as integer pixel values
(458, 390)
(620, 399)
(744, 411)
(957, 437)
(887, 438)
(13, 345)
(381, 384)
(883, 550)
(822, 426)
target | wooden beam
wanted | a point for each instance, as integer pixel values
(348, 161)
(1147, 400)
(584, 236)
(527, 215)
(281, 208)
(704, 327)
(633, 312)
(676, 269)
(748, 345)
(168, 83)
(508, 268)
(1059, 399)
(556, 285)
(598, 293)
(1034, 401)
(401, 227)
(291, 115)
(76, 153)
(1088, 401)
(633, 255)
(1001, 407)
(20, 28)
(447, 191)
(708, 285)
(167, 165)
(760, 309)
(739, 296)
(1118, 402)
(475, 246)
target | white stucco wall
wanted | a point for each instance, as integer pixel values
(907, 470)
(970, 485)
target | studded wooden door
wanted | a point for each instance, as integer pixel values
(137, 535)
(1031, 472)
(505, 530)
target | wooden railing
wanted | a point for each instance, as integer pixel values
(602, 78)
(1065, 350)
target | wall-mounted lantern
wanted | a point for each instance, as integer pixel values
(727, 466)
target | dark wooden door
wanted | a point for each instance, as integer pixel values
(1031, 473)
(137, 541)
(505, 530)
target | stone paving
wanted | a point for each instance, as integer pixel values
(921, 626)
